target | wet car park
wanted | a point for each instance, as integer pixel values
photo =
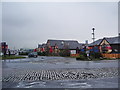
(59, 72)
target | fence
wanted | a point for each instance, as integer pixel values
(111, 55)
(104, 55)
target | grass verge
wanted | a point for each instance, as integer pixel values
(11, 57)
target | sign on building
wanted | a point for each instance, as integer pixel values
(73, 51)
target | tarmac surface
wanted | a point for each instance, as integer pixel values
(59, 72)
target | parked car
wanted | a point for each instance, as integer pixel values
(33, 54)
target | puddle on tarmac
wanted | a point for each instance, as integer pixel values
(97, 83)
(30, 84)
(54, 84)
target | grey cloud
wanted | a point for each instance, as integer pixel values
(27, 24)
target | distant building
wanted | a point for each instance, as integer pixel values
(107, 45)
(41, 48)
(56, 45)
(25, 51)
(4, 47)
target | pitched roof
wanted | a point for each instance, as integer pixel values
(72, 44)
(111, 40)
(97, 42)
(41, 45)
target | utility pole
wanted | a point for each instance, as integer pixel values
(93, 34)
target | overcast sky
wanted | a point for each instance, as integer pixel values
(25, 25)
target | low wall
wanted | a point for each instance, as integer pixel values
(111, 55)
(74, 55)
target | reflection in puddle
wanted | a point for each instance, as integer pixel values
(76, 84)
(53, 84)
(30, 84)
(79, 85)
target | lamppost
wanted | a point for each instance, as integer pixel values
(93, 38)
(93, 34)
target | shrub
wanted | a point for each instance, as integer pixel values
(84, 54)
(64, 53)
(42, 53)
(23, 53)
(81, 57)
(95, 55)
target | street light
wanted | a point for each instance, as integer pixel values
(93, 34)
